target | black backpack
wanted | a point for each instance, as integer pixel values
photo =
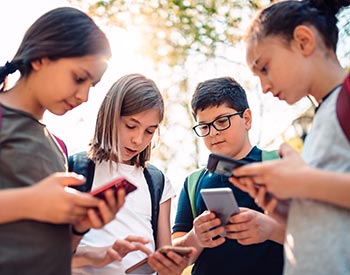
(81, 164)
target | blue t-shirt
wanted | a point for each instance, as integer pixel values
(231, 257)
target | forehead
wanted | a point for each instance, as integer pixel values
(258, 49)
(150, 117)
(211, 113)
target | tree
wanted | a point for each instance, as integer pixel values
(182, 38)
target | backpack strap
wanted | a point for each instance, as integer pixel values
(192, 182)
(155, 181)
(269, 155)
(61, 144)
(81, 164)
(343, 107)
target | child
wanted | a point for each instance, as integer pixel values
(61, 56)
(303, 34)
(221, 109)
(126, 123)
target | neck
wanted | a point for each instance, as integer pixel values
(20, 97)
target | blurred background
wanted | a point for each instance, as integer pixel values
(177, 44)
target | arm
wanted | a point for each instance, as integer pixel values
(171, 263)
(252, 227)
(291, 177)
(201, 235)
(99, 216)
(57, 204)
(101, 256)
(194, 232)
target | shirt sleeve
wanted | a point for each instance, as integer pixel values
(184, 218)
(168, 191)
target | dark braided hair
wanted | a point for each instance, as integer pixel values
(283, 17)
(60, 33)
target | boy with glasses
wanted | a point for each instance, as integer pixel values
(251, 244)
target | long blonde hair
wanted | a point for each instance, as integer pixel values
(131, 94)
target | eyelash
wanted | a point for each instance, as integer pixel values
(133, 127)
(79, 80)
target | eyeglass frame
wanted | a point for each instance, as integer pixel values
(240, 113)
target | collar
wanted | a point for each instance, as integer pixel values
(254, 155)
(327, 96)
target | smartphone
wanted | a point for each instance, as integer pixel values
(114, 185)
(142, 267)
(223, 165)
(221, 201)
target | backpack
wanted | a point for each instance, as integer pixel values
(196, 176)
(81, 164)
(343, 107)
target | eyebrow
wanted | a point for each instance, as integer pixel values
(256, 63)
(138, 122)
(219, 116)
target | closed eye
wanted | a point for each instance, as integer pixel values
(80, 80)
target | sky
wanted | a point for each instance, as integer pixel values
(77, 126)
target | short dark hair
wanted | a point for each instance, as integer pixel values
(218, 91)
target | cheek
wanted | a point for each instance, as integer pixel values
(207, 142)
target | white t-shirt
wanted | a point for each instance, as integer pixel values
(134, 218)
(317, 235)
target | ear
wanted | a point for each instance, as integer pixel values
(38, 63)
(247, 116)
(304, 39)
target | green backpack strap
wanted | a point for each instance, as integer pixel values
(193, 178)
(269, 155)
(192, 181)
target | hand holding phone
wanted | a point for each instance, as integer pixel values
(114, 185)
(223, 165)
(221, 201)
(142, 267)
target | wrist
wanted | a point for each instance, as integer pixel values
(79, 232)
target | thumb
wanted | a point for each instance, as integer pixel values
(70, 178)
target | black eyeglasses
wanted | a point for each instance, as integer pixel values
(220, 124)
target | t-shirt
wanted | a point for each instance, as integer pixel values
(230, 258)
(318, 233)
(28, 153)
(134, 218)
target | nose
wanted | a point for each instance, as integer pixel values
(212, 130)
(83, 94)
(137, 138)
(265, 84)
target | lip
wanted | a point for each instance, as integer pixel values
(278, 95)
(130, 152)
(216, 143)
(70, 106)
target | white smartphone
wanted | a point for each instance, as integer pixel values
(221, 201)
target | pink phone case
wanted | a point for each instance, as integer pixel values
(114, 185)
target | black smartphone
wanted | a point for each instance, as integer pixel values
(142, 267)
(223, 165)
(114, 185)
(221, 201)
